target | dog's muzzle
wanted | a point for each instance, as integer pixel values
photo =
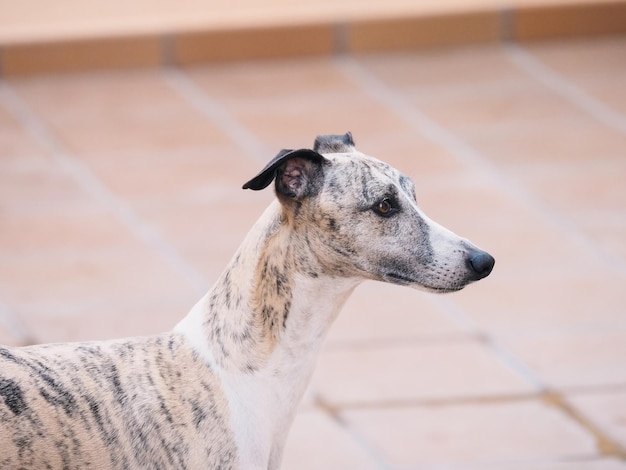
(480, 264)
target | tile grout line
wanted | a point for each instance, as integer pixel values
(93, 186)
(534, 67)
(201, 101)
(334, 413)
(607, 446)
(452, 311)
(467, 155)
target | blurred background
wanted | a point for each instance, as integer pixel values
(128, 127)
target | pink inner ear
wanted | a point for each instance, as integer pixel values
(292, 173)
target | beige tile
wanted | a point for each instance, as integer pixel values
(12, 330)
(7, 338)
(577, 58)
(70, 294)
(489, 433)
(14, 140)
(207, 232)
(423, 31)
(33, 181)
(186, 172)
(574, 360)
(584, 188)
(383, 312)
(255, 83)
(491, 106)
(607, 410)
(608, 230)
(595, 66)
(413, 371)
(317, 441)
(132, 271)
(38, 235)
(300, 119)
(582, 463)
(574, 139)
(546, 304)
(441, 69)
(106, 317)
(288, 108)
(583, 19)
(267, 43)
(80, 55)
(117, 111)
(412, 154)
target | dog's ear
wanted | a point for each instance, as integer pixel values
(334, 143)
(298, 173)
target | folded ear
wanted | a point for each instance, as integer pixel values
(334, 143)
(298, 173)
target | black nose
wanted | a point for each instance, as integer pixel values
(481, 264)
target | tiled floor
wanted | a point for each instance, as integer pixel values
(120, 203)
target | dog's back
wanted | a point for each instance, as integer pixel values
(138, 403)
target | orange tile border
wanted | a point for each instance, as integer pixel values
(491, 24)
(422, 32)
(76, 56)
(266, 43)
(570, 20)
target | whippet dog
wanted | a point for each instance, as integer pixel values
(221, 389)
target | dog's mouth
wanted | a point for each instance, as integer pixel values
(404, 280)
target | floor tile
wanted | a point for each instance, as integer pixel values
(257, 83)
(183, 172)
(12, 330)
(583, 463)
(423, 32)
(14, 140)
(575, 360)
(107, 317)
(575, 139)
(607, 410)
(251, 43)
(518, 168)
(53, 288)
(414, 371)
(206, 231)
(116, 111)
(413, 155)
(35, 181)
(595, 66)
(545, 304)
(317, 441)
(78, 55)
(410, 437)
(488, 106)
(384, 313)
(608, 229)
(288, 106)
(441, 68)
(583, 188)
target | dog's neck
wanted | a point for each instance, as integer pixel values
(261, 327)
(270, 300)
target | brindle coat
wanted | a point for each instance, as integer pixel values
(221, 390)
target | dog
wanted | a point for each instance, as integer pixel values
(220, 391)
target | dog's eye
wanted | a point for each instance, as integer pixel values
(385, 208)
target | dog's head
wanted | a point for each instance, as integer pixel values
(360, 218)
